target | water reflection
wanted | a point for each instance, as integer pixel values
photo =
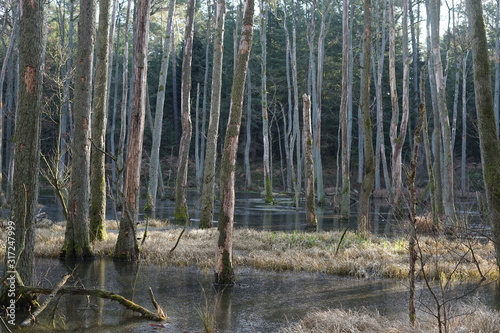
(260, 302)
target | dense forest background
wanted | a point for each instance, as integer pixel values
(305, 21)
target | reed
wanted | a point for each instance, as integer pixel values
(330, 252)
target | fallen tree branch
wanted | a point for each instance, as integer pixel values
(96, 293)
(31, 319)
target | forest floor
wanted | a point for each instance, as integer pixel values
(348, 253)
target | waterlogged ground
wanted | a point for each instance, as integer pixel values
(260, 302)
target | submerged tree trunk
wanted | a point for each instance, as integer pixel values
(127, 248)
(208, 188)
(311, 221)
(20, 235)
(369, 158)
(224, 271)
(99, 118)
(181, 209)
(154, 166)
(488, 135)
(77, 238)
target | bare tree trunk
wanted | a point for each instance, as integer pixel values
(127, 248)
(123, 110)
(398, 137)
(379, 70)
(488, 135)
(208, 188)
(463, 161)
(496, 92)
(154, 166)
(448, 195)
(311, 221)
(99, 119)
(248, 141)
(296, 139)
(20, 238)
(224, 271)
(369, 158)
(5, 62)
(265, 117)
(77, 238)
(181, 209)
(203, 136)
(345, 206)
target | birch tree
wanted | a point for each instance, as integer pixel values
(127, 248)
(77, 238)
(181, 209)
(224, 271)
(208, 188)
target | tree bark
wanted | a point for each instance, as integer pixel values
(488, 135)
(181, 209)
(208, 188)
(369, 158)
(311, 221)
(77, 238)
(224, 272)
(265, 117)
(127, 248)
(99, 119)
(154, 166)
(448, 195)
(345, 206)
(20, 240)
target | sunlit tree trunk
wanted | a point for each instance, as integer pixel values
(99, 118)
(77, 238)
(448, 195)
(318, 165)
(154, 166)
(202, 139)
(311, 221)
(345, 205)
(20, 235)
(123, 111)
(265, 117)
(127, 247)
(398, 136)
(209, 170)
(296, 138)
(224, 271)
(488, 135)
(181, 209)
(369, 158)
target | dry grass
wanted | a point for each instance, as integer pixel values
(468, 319)
(328, 252)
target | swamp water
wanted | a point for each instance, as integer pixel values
(260, 301)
